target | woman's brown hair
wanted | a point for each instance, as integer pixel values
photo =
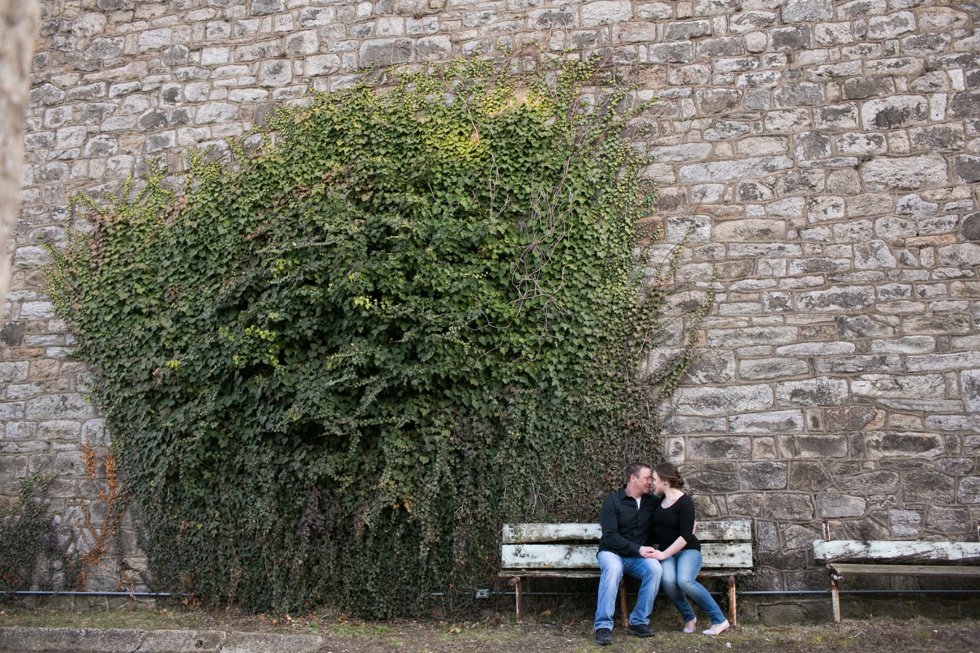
(667, 472)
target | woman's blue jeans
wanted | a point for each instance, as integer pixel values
(646, 569)
(680, 572)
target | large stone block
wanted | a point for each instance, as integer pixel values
(782, 421)
(797, 37)
(385, 52)
(812, 392)
(803, 94)
(710, 401)
(750, 230)
(894, 444)
(808, 476)
(905, 523)
(767, 475)
(928, 487)
(894, 112)
(802, 11)
(718, 100)
(730, 338)
(718, 171)
(843, 299)
(969, 490)
(840, 505)
(965, 105)
(712, 481)
(59, 407)
(788, 506)
(891, 26)
(885, 385)
(813, 446)
(946, 519)
(907, 173)
(719, 448)
(970, 382)
(605, 12)
(772, 368)
(848, 418)
(967, 168)
(870, 483)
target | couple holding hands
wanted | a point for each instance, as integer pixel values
(627, 518)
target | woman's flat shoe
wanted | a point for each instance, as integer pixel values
(691, 626)
(717, 629)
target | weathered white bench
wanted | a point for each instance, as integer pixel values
(891, 558)
(569, 551)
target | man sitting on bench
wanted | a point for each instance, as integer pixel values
(625, 518)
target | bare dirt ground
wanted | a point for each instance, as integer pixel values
(502, 634)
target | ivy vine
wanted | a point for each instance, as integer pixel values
(335, 366)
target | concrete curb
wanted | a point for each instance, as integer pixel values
(84, 640)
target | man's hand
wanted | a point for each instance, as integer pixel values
(648, 552)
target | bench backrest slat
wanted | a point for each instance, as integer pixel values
(895, 551)
(715, 530)
(521, 533)
(583, 556)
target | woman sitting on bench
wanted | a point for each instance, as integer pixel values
(680, 551)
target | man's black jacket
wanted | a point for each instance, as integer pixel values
(626, 527)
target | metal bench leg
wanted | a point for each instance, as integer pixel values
(835, 581)
(732, 616)
(625, 616)
(516, 583)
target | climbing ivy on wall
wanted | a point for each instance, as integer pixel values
(333, 367)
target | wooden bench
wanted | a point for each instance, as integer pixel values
(569, 551)
(892, 558)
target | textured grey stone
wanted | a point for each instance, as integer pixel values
(812, 392)
(965, 105)
(895, 444)
(861, 88)
(928, 487)
(797, 37)
(796, 11)
(767, 475)
(968, 490)
(870, 483)
(840, 505)
(784, 421)
(894, 112)
(802, 94)
(711, 401)
(772, 368)
(891, 26)
(967, 168)
(718, 100)
(706, 481)
(813, 446)
(718, 171)
(905, 523)
(907, 173)
(788, 506)
(843, 300)
(385, 52)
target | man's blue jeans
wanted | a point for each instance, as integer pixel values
(646, 569)
(680, 572)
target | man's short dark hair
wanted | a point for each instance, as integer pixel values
(634, 469)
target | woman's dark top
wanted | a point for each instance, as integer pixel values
(676, 521)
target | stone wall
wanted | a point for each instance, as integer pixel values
(820, 156)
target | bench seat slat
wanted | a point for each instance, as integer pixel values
(583, 556)
(905, 570)
(896, 551)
